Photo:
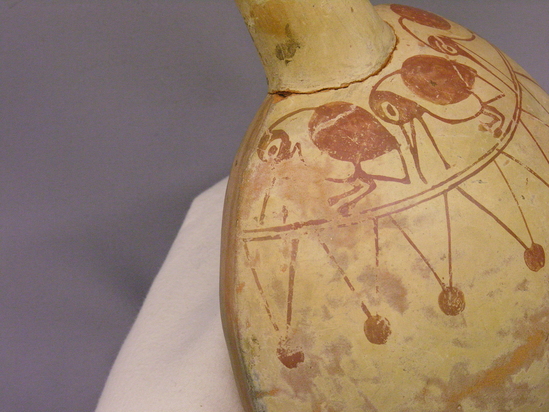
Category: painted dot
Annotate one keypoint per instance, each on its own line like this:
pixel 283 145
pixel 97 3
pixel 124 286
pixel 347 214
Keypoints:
pixel 377 330
pixel 290 359
pixel 534 257
pixel 451 301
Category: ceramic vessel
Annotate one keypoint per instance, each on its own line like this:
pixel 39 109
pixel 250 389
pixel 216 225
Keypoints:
pixel 386 218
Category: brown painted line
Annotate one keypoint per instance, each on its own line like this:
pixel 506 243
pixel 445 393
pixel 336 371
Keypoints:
pixel 284 214
pixel 507 77
pixel 468 39
pixel 335 199
pixel 412 142
pixel 339 269
pixel 347 280
pixel 492 215
pixel 463 174
pixel 516 200
pixel 494 86
pixel 433 142
pixel 439 189
pixel 529 169
pixel 342 225
pixel 494 99
pixel 516 82
pixel 440 186
pixel 449 232
pixel 401 22
pixel 416 248
pixel 264 208
pixel 265 201
pixel 535 98
pixel 263 238
pixel 291 281
pixel 535 117
pixel 459 178
pixel 291 226
pixel 518 88
pixel 265 303
pixel 443 183
pixel 366 310
pixel 291 114
pixel 260 288
pixel 376 234
pixel 524 76
pixel 535 141
pixel 352 203
pixel 466 119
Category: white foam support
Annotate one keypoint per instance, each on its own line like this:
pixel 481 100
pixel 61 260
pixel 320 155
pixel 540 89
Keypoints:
pixel 174 358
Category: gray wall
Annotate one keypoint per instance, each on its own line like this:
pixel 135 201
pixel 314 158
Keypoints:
pixel 113 116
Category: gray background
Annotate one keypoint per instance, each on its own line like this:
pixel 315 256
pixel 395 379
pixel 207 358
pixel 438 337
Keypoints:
pixel 114 115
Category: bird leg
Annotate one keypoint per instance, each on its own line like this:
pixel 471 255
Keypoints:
pixel 334 199
pixel 346 208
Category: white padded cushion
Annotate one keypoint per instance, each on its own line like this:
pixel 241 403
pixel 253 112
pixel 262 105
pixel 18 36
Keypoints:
pixel 175 358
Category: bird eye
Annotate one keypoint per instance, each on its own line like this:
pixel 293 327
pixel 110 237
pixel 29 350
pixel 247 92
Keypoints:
pixel 274 145
pixel 268 147
pixel 390 111
pixel 449 49
pixel 443 45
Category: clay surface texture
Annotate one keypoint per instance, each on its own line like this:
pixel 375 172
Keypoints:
pixel 385 242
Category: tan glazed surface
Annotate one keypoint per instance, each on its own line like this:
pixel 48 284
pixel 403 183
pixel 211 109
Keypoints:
pixel 384 242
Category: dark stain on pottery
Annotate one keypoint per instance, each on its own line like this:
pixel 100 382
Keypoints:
pixel 287 50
